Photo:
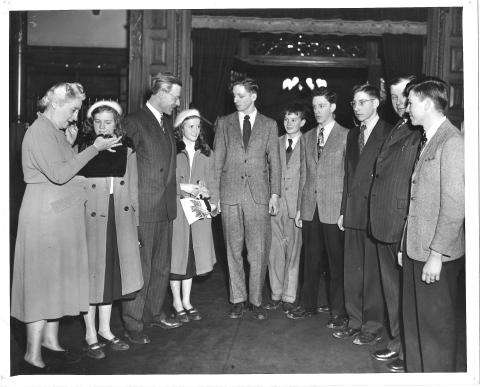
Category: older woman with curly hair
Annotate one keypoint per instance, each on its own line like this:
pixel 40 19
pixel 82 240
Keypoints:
pixel 50 272
pixel 111 220
pixel 192 245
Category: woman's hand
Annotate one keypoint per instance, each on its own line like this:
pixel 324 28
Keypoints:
pixel 71 133
pixel 107 143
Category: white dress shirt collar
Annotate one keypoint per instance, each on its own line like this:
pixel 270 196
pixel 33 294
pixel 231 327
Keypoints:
pixel 158 115
pixel 251 116
pixel 430 132
pixel 327 129
pixel 370 124
pixel 294 140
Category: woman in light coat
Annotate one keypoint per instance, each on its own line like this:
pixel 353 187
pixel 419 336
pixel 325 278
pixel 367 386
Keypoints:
pixel 111 215
pixel 192 245
pixel 50 271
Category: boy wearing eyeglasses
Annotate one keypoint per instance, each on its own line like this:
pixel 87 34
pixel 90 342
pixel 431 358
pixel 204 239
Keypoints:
pixel 363 291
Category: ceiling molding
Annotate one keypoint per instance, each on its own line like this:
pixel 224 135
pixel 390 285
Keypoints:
pixel 310 26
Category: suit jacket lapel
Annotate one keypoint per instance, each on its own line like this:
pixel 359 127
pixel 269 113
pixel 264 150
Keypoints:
pixel 234 125
pixel 256 132
pixel 283 155
pixel 312 144
pixel 431 146
pixel 332 138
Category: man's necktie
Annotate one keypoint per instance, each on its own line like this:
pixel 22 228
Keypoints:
pixel 289 149
pixel 361 138
pixel 421 144
pixel 160 121
pixel 320 142
pixel 247 130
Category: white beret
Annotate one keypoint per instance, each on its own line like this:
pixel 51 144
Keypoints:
pixel 114 105
pixel 184 114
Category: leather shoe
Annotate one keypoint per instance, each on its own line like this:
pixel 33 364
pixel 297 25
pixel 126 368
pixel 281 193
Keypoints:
pixel 397 365
pixel 367 338
pixel 182 316
pixel 337 322
pixel 65 356
pixel 258 312
pixel 385 355
pixel 31 369
pixel 272 305
pixel 324 309
pixel 236 311
pixel 345 332
pixel 137 337
pixel 166 323
pixel 94 351
pixel 287 306
pixel 299 312
pixel 193 314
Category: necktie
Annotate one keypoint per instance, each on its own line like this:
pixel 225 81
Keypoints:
pixel 289 149
pixel 247 130
pixel 160 121
pixel 361 138
pixel 320 143
pixel 421 144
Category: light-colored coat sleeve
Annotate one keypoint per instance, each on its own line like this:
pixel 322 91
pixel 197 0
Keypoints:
pixel 43 148
pixel 133 181
pixel 220 150
pixel 273 157
pixel 452 197
pixel 303 170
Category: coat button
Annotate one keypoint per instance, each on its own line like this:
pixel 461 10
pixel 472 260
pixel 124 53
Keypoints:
pixel 125 208
pixel 412 198
pixel 93 213
pixel 241 177
pixel 315 191
pixel 94 185
pixel 122 182
pixel 161 169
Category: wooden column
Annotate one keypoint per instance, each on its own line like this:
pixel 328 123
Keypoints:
pixel 159 42
pixel 444 55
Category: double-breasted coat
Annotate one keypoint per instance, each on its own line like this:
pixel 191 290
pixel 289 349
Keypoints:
pixel 125 195
pixel 202 239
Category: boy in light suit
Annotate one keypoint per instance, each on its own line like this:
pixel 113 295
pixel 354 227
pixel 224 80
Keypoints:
pixel 284 256
pixel 433 243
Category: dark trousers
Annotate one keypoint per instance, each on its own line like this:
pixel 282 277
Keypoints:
pixel 363 290
pixel 323 247
pixel 429 317
pixel 155 254
pixel 390 273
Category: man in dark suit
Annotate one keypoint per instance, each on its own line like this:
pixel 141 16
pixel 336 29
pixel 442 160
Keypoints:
pixel 152 134
pixel 433 244
pixel 388 210
pixel 319 198
pixel 363 291
pixel 247 170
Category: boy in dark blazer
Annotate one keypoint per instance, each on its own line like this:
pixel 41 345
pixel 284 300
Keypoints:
pixel 363 291
pixel 388 209
pixel 433 245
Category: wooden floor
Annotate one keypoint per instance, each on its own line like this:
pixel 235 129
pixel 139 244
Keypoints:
pixel 218 345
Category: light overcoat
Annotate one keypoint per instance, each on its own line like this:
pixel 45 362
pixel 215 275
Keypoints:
pixel 436 217
pixel 321 180
pixel 125 195
pixel 202 239
pixel 50 273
